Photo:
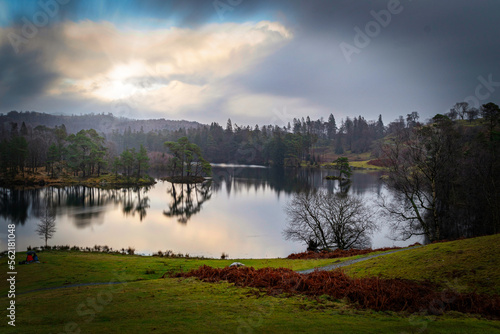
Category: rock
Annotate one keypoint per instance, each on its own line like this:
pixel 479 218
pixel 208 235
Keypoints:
pixel 237 264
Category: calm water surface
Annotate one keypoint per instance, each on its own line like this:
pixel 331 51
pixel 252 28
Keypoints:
pixel 239 212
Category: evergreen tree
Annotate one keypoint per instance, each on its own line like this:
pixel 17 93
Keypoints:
pixel 127 159
pixel 342 165
pixel 331 127
pixel 380 129
pixel 142 160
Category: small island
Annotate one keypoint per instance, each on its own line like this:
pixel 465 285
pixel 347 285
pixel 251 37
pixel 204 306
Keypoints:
pixel 84 158
pixel 342 165
pixel 186 165
pixel 88 159
pixel 43 179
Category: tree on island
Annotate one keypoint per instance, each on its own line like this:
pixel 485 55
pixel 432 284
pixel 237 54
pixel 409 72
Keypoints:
pixel 47 225
pixel 142 160
pixel 187 164
pixel 86 152
pixel 342 165
pixel 132 162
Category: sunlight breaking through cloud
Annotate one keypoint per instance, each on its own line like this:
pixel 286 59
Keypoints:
pixel 163 70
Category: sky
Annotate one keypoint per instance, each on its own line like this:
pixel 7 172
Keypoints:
pixel 254 61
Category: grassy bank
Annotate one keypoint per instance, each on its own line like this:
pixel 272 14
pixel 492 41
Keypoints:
pixel 190 306
pixel 147 303
pixel 466 265
pixel 357 165
pixel 60 268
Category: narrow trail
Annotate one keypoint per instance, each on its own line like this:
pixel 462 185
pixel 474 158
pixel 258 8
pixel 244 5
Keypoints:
pixel 347 263
pixel 329 267
pixel 70 286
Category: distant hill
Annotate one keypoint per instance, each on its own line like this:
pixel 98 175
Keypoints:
pixel 103 123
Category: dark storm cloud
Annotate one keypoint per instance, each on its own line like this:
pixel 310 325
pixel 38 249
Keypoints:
pixel 429 56
pixel 22 76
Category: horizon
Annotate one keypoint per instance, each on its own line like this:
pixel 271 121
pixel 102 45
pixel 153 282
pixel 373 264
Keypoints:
pixel 258 62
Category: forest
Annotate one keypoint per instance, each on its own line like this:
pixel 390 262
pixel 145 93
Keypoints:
pixel 307 141
pixel 445 172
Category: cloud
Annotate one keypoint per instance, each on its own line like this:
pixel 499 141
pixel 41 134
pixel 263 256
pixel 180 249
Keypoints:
pixel 24 75
pixel 181 59
pixel 166 71
pixel 270 109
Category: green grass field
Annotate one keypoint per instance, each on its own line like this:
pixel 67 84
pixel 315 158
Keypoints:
pixel 147 303
pixel 60 268
pixel 466 265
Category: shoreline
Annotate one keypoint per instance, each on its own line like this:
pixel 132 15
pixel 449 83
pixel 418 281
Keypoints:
pixel 40 180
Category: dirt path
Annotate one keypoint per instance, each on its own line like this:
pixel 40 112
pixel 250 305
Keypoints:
pixel 329 267
pixel 347 263
pixel 71 286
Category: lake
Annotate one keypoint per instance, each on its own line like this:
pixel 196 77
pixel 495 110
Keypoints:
pixel 239 212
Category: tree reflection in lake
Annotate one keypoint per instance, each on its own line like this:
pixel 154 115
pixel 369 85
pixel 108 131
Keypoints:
pixel 14 205
pixel 85 205
pixel 290 180
pixel 187 199
pixel 287 180
pixel 243 214
pixel 137 203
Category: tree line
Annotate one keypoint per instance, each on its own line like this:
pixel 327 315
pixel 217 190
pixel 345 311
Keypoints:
pixel 445 176
pixel 86 153
pixel 301 140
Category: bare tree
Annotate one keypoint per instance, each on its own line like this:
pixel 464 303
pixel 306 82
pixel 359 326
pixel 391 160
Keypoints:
pixel 461 109
pixel 472 114
pixel 420 164
pixel 330 220
pixel 47 225
pixel 412 119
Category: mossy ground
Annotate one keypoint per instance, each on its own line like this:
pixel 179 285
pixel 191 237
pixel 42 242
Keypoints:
pixel 147 303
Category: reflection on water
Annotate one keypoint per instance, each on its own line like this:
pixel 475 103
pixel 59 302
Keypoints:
pixel 187 199
pixel 14 205
pixel 135 201
pixel 292 180
pixel 240 212
pixel 86 205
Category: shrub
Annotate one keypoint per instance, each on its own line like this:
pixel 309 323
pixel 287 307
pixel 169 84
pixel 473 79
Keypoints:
pixel 336 253
pixel 131 251
pixel 371 292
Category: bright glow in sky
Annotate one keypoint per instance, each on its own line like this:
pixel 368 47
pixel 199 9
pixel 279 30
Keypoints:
pixel 249 60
